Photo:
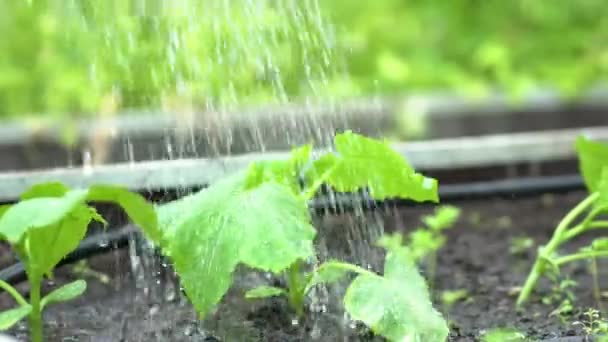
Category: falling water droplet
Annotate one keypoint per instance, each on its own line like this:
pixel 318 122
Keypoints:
pixel 87 161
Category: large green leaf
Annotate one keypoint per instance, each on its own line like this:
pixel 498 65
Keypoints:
pixel 396 306
pixel 39 213
pixel 51 189
pixel 140 211
pixel 329 272
pixel 46 246
pixel 593 158
pixel 64 293
pixel 284 172
pixel 207 234
pixel 10 317
pixel 362 162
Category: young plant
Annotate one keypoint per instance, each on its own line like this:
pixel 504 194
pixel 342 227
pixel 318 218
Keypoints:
pixel 425 241
pixel 46 225
pixel 260 218
pixel 585 216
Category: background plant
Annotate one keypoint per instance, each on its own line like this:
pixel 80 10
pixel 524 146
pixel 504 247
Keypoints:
pixel 222 52
pixel 209 233
pixel 46 225
pixel 585 216
pixel 424 242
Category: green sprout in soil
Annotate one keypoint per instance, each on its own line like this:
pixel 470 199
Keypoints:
pixel 593 323
pixel 561 296
pixel 584 217
pixel 424 242
pixel 451 297
pixel 260 218
pixel 520 244
pixel 46 225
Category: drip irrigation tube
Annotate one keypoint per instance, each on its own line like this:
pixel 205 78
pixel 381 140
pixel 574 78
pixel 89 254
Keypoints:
pixel 338 203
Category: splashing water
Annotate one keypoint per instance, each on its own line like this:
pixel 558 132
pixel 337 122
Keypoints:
pixel 205 63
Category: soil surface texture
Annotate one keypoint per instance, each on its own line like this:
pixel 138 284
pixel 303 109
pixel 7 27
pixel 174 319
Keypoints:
pixel 477 260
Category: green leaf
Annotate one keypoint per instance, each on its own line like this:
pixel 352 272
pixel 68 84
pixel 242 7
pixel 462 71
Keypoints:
pixel 443 218
pixel 4 208
pixel 284 172
pixel 362 162
pixel 140 211
pixel 329 272
pixel 396 306
pixel 52 189
pixel 46 246
pixel 65 293
pixel 209 233
pixel 423 242
pixel 593 158
pixel 11 317
pixel 264 292
pixel 38 213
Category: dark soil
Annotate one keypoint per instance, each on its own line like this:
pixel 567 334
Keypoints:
pixel 476 258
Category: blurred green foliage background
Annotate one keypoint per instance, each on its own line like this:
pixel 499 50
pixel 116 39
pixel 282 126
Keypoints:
pixel 64 57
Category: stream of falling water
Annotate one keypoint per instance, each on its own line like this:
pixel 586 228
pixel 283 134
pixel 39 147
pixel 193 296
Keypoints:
pixel 243 39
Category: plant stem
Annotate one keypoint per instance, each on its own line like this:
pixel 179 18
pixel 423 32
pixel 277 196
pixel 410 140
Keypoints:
pixel 295 286
pixel 580 228
pixel 580 256
pixel 597 295
pixel 544 252
pixel 36 314
pixel 13 292
pixel 586 224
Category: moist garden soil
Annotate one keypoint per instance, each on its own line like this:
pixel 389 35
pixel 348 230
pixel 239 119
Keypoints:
pixel 477 259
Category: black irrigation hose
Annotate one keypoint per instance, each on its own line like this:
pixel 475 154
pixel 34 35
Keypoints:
pixel 480 190
pixel 89 247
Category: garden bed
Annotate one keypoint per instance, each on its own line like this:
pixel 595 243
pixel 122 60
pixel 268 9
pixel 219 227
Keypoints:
pixel 476 258
pixel 171 134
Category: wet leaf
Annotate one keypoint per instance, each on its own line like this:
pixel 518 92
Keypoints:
pixel 329 272
pixel 38 213
pixel 362 162
pixel 593 158
pixel 46 246
pixel 284 172
pixel 397 305
pixel 264 292
pixel 140 211
pixel 266 227
pixel 13 316
pixel 65 293
pixel 52 189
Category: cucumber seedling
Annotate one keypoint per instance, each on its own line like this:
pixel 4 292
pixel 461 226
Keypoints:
pixel 587 215
pixel 45 226
pixel 425 241
pixel 260 218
